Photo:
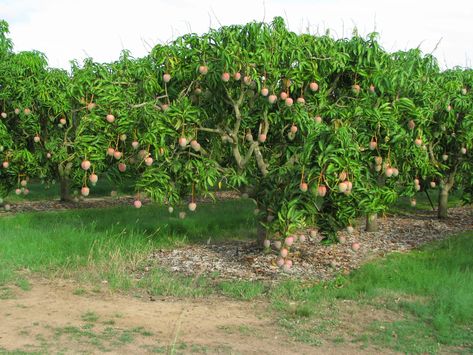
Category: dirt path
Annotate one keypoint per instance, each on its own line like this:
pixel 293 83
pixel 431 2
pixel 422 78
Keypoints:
pixel 52 317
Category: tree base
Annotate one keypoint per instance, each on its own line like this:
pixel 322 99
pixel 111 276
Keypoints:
pixel 372 223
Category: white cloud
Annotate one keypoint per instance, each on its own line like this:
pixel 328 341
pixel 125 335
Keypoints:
pixel 67 29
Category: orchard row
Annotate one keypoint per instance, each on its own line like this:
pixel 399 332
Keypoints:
pixel 317 131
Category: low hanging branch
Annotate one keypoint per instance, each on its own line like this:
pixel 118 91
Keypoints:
pixel 149 102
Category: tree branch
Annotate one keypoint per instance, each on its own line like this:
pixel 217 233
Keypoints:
pixel 317 58
pixel 185 91
pixel 266 124
pixel 249 153
pixel 260 161
pixel 451 176
pixel 210 130
pixel 229 99
pixel 148 102
pixel 334 83
pixel 236 126
pixel 432 155
pixel 242 95
pixel 237 155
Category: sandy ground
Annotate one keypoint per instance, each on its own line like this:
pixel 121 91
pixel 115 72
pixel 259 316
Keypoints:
pixel 51 318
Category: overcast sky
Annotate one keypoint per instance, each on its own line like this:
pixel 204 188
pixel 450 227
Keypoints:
pixel 75 29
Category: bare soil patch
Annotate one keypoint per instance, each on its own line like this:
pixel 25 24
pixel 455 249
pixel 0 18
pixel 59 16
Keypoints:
pixel 51 318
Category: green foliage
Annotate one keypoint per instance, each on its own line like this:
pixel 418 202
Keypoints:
pixel 352 115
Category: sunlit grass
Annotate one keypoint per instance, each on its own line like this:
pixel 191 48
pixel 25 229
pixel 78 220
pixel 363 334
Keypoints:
pixel 116 238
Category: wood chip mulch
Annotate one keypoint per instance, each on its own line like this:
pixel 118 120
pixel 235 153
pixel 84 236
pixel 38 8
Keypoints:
pixel 311 259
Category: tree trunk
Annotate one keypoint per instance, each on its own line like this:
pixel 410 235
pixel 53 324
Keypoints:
pixel 443 201
pixel 246 190
pixel 261 236
pixel 65 189
pixel 372 222
pixel 64 181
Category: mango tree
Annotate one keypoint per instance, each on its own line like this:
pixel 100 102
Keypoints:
pixel 447 131
pixel 20 123
pixel 317 131
pixel 286 111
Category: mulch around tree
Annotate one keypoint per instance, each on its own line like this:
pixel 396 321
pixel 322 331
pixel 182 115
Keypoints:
pixel 312 259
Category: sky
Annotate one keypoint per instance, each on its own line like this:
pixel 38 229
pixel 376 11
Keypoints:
pixel 101 29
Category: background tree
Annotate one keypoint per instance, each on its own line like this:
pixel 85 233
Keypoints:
pixel 448 130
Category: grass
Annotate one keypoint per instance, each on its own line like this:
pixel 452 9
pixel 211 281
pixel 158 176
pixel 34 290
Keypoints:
pixel 403 205
pixel 6 293
pixel 80 291
pixel 91 317
pixel 105 339
pixel 242 290
pixel 105 244
pixel 431 288
pixel 162 283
